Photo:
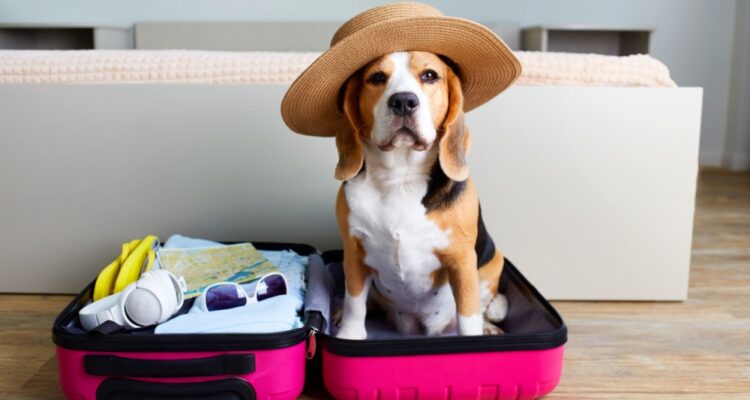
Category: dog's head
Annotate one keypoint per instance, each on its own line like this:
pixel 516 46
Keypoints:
pixel 409 100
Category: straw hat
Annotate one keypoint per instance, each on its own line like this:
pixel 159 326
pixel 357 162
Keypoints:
pixel 485 64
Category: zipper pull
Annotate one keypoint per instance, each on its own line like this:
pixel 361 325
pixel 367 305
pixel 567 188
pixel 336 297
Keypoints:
pixel 311 343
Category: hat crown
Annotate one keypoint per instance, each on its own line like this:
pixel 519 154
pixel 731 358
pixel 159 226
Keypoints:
pixel 387 12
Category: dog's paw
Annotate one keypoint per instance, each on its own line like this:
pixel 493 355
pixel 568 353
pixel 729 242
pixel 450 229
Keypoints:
pixel 497 309
pixel 352 332
pixel 470 326
pixel 491 329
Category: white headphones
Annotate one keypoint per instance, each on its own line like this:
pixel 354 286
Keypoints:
pixel 153 299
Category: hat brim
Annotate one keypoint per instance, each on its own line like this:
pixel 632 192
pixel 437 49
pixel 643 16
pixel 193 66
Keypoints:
pixel 486 66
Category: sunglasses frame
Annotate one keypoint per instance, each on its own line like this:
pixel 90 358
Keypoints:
pixel 250 299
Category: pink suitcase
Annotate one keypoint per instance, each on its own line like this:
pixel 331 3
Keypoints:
pixel 524 363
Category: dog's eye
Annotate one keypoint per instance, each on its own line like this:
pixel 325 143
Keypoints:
pixel 429 76
pixel 376 78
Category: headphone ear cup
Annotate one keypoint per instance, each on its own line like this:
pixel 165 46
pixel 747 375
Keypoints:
pixel 180 286
pixel 154 300
pixel 143 307
pixel 170 296
pixel 173 288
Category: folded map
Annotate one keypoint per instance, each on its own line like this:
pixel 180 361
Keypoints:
pixel 203 266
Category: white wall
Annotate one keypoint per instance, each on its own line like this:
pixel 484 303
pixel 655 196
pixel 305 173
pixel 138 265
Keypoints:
pixel 693 37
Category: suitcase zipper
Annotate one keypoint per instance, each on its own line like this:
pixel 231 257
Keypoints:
pixel 312 343
pixel 314 322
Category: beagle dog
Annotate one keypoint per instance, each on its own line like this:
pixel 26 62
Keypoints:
pixel 407 210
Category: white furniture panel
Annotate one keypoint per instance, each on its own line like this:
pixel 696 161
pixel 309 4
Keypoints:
pixel 590 191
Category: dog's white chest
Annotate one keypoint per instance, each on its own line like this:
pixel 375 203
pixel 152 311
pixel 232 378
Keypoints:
pixel 398 238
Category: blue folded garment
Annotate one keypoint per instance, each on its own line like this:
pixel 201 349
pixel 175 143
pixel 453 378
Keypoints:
pixel 272 315
pixel 184 242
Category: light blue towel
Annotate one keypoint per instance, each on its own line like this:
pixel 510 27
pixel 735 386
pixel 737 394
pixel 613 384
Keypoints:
pixel 276 314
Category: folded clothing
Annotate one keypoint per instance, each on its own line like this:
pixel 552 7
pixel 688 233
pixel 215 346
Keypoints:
pixel 290 264
pixel 272 315
pixel 276 314
pixel 320 290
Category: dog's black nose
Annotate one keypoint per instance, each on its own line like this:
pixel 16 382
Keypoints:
pixel 403 103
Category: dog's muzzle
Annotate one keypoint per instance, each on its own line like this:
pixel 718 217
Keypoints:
pixel 405 136
pixel 404 130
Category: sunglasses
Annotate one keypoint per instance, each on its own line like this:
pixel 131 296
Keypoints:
pixel 225 295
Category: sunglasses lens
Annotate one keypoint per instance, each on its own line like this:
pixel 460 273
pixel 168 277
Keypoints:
pixel 270 286
pixel 222 297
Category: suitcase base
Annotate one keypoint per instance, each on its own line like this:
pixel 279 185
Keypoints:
pixel 490 375
pixel 277 374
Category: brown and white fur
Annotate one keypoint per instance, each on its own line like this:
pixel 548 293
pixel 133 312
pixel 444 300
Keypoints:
pixel 408 211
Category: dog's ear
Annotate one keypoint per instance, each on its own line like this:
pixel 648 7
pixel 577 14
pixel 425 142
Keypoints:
pixel 454 140
pixel 349 139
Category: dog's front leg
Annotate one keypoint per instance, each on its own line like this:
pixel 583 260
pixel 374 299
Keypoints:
pixel 356 274
pixel 464 281
pixel 358 281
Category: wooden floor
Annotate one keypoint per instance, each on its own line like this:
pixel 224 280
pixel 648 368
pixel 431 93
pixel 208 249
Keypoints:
pixel 699 349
